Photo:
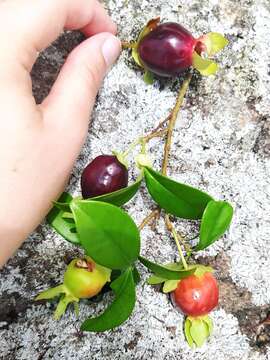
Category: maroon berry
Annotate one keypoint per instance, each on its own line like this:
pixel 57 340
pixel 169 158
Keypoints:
pixel 103 175
pixel 167 50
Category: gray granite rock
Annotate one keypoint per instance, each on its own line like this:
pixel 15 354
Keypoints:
pixel 221 144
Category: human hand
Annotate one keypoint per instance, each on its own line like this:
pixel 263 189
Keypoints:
pixel 40 143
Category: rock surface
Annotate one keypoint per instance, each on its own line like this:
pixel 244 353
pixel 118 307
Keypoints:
pixel 221 144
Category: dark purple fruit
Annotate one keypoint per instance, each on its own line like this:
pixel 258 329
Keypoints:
pixel 103 175
pixel 167 50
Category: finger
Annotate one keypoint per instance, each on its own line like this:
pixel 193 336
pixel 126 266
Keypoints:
pixel 73 94
pixel 28 26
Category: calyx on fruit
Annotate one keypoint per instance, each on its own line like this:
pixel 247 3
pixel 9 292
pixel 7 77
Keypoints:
pixel 196 296
pixel 168 49
pixel 83 279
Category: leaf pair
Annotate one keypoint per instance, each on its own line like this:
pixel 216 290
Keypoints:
pixel 189 203
pixel 66 226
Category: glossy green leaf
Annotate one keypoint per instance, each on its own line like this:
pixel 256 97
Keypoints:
pixel 206 67
pixel 165 273
pixel 64 227
pixel 187 327
pixel 215 221
pixel 64 206
pixel 199 331
pixel 169 286
pixel 175 198
pixel 214 42
pixel 136 276
pixel 121 308
pixel 107 233
pixel 119 197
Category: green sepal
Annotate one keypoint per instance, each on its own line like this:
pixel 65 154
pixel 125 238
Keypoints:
pixel 151 25
pixel 65 298
pixel 62 305
pixel 206 67
pixel 200 270
pixel 197 330
pixel 209 323
pixel 214 43
pixel 155 280
pixel 188 336
pixel 51 293
pixel 121 158
pixel 148 77
pixel 169 286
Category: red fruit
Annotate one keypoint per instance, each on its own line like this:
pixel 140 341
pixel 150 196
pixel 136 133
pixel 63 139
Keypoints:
pixel 103 175
pixel 167 50
pixel 197 295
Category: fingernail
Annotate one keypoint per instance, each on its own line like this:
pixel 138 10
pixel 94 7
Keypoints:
pixel 111 50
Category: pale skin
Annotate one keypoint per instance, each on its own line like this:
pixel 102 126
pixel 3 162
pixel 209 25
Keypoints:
pixel 40 143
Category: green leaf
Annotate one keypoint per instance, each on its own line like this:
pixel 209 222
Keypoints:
pixel 199 331
pixel 119 197
pixel 214 42
pixel 205 66
pixel 107 233
pixel 136 276
pixel 120 310
pixel 215 221
pixel 187 327
pixel 164 272
pixel 155 280
pixel 175 198
pixel 64 227
pixel 170 285
pixel 148 77
pixel 64 206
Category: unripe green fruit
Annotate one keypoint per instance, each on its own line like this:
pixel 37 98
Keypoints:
pixel 84 278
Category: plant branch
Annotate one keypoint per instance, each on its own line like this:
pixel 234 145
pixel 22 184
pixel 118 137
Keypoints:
pixel 152 216
pixel 172 229
pixel 172 121
pixel 128 45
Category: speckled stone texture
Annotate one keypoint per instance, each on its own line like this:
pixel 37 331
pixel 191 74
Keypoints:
pixel 221 145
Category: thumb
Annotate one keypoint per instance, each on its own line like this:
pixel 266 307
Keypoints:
pixel 73 95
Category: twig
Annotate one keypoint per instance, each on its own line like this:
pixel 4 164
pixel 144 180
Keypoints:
pixel 153 215
pixel 155 134
pixel 172 122
pixel 169 227
pixel 163 122
pixel 128 45
pixel 177 238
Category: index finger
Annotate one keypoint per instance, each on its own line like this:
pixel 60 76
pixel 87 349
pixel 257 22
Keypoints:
pixel 29 26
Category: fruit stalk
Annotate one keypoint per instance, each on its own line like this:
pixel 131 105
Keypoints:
pixel 172 121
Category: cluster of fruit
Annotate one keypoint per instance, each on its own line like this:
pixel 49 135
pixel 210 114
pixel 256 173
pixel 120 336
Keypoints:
pixel 108 235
